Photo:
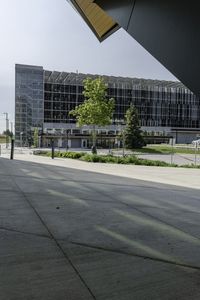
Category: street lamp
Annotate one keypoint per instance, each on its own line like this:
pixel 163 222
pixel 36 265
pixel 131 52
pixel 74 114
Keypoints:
pixel 11 127
pixel 21 133
pixel 7 129
pixel 121 129
pixel 196 143
pixel 67 146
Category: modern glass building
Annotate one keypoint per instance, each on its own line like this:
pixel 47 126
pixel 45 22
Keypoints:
pixel 29 101
pixel 44 98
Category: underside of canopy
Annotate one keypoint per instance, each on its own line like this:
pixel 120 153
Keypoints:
pixel 167 29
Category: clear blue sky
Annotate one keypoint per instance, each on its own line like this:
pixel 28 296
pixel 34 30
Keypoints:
pixel 51 34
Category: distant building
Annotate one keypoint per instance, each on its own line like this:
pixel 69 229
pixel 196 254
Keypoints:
pixel 43 100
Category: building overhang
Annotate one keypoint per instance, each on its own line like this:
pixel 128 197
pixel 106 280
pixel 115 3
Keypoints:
pixel 97 19
pixel 168 30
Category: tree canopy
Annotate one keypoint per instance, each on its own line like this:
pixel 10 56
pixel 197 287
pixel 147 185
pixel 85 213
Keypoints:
pixel 132 132
pixel 97 109
pixel 8 133
pixel 35 137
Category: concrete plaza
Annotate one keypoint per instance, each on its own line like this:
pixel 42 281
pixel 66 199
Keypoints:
pixel 73 230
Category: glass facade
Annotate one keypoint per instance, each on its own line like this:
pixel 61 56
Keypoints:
pixel 29 101
pixel 59 100
pixel 159 103
pixel 160 106
pixel 45 97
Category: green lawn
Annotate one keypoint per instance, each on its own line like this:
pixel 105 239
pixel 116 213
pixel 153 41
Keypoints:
pixel 2 139
pixel 165 149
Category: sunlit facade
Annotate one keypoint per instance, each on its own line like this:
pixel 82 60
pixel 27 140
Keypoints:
pixel 44 99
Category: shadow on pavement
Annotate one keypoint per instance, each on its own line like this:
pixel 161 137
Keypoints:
pixel 71 234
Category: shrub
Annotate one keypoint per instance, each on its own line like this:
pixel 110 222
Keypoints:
pixel 92 158
pixel 130 159
pixel 72 155
pixel 192 166
pixel 40 152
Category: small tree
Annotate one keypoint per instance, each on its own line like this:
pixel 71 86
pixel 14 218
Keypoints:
pixel 132 132
pixel 8 133
pixel 35 138
pixel 97 109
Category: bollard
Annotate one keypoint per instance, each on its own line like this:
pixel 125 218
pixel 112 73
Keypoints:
pixel 195 155
pixel 12 149
pixel 52 149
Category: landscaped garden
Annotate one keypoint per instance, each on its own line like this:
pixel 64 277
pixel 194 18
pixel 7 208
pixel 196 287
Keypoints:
pixel 95 158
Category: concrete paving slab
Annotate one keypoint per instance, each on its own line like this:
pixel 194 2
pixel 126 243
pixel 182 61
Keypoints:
pixel 16 214
pixel 117 276
pixel 104 220
pixel 113 225
pixel 185 220
pixel 173 176
pixel 34 268
pixel 7 184
pixel 108 237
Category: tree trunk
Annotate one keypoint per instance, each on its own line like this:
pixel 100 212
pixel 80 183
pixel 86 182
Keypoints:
pixel 94 148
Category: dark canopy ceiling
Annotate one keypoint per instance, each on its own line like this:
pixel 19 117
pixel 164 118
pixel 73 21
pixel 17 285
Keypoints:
pixel 168 29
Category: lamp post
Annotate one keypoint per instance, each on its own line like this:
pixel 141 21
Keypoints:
pixel 67 146
pixel 123 142
pixel 52 148
pixel 196 144
pixel 21 134
pixel 121 123
pixel 11 126
pixel 7 129
pixel 172 142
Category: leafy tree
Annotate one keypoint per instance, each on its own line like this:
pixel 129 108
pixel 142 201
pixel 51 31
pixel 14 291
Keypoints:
pixel 35 138
pixel 132 132
pixel 97 109
pixel 8 133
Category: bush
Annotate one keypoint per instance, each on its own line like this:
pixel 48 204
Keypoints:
pixel 110 159
pixel 156 163
pixel 40 152
pixel 130 159
pixel 192 166
pixel 72 155
pixel 92 158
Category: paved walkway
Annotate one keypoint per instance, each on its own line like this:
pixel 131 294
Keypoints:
pixel 68 233
pixel 175 176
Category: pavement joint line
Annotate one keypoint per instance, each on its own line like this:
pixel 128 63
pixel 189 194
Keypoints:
pixel 122 202
pixel 85 182
pixel 9 191
pixel 149 215
pixel 161 221
pixel 100 201
pixel 71 198
pixel 118 251
pixel 55 240
pixel 24 232
pixel 162 208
